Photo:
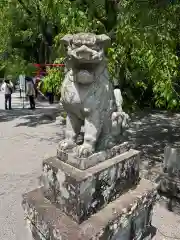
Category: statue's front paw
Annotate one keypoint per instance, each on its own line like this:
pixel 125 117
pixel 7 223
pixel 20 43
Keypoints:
pixel 66 144
pixel 84 150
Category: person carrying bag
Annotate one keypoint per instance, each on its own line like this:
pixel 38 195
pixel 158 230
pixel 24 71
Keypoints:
pixel 7 89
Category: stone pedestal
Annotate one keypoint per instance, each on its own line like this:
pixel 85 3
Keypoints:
pixel 172 160
pixel 169 180
pixel 81 193
pixel 106 201
pixel 126 218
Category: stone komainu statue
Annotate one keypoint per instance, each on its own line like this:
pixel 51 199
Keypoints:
pixel 88 96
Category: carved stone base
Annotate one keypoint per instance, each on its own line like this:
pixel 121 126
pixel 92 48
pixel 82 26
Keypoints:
pixel 128 217
pixel 84 163
pixel 80 193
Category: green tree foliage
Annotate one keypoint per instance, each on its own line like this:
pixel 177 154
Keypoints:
pixel 145 50
pixel 144 56
pixel 54 78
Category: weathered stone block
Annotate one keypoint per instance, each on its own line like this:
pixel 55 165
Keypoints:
pixel 44 220
pixel 169 177
pixel 84 163
pixel 82 193
pixel 172 161
pixel 126 218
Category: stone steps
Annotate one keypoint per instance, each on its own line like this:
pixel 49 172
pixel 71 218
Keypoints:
pixel 127 217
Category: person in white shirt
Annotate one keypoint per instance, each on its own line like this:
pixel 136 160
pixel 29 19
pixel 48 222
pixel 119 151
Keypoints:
pixel 30 92
pixel 7 89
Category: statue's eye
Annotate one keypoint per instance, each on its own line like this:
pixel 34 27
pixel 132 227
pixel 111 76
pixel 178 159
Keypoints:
pixel 74 45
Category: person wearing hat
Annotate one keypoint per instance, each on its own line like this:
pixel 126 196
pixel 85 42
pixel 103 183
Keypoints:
pixel 7 89
pixel 30 91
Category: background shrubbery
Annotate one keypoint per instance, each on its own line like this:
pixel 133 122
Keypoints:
pixel 144 55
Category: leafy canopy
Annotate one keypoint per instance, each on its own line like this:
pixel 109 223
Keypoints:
pixel 144 55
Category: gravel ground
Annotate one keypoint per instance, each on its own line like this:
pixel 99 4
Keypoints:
pixel 27 137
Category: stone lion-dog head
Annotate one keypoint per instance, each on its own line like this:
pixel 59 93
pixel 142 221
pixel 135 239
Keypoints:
pixel 85 53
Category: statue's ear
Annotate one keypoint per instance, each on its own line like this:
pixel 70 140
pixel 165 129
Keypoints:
pixel 103 40
pixel 66 40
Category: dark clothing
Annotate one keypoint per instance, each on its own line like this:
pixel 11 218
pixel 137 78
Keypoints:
pixel 7 101
pixel 36 93
pixel 51 97
pixel 20 91
pixel 32 102
pixel 30 90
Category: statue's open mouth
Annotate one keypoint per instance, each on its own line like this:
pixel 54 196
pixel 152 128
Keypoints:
pixel 84 55
pixel 86 66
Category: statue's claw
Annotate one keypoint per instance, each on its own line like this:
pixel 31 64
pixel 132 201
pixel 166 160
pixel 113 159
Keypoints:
pixel 66 144
pixel 84 150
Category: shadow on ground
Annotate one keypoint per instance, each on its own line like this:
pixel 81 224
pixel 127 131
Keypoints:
pixel 151 131
pixel 31 118
pixel 9 115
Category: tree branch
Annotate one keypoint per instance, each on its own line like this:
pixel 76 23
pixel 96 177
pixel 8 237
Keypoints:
pixel 24 7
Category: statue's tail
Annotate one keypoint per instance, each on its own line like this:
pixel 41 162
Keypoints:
pixel 119 101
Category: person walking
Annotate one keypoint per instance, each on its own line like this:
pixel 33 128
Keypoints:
pixel 7 89
pixel 30 92
pixel 20 90
pixel 50 95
